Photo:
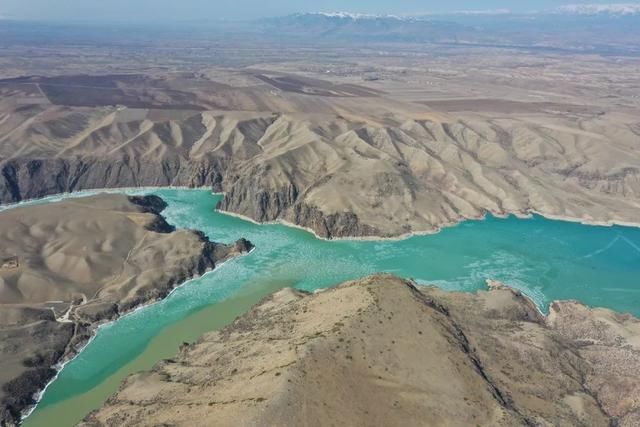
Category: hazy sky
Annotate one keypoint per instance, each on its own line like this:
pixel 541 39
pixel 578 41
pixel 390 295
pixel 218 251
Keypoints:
pixel 180 10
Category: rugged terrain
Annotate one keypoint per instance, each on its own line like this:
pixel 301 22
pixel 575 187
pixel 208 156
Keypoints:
pixel 70 265
pixel 380 350
pixel 346 124
pixel 398 152
pixel 349 138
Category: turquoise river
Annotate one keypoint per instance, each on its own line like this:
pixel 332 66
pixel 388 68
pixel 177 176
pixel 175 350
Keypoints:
pixel 547 260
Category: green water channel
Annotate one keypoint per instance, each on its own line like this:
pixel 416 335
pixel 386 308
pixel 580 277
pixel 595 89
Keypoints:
pixel 548 260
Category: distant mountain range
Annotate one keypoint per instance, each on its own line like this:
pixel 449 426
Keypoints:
pixel 342 25
pixel 610 28
pixel 575 10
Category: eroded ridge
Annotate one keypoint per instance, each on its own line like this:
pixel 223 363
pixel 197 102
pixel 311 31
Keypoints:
pixel 381 351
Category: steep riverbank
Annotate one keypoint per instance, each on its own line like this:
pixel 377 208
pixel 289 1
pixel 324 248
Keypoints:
pixel 335 176
pixel 546 260
pixel 383 351
pixel 73 265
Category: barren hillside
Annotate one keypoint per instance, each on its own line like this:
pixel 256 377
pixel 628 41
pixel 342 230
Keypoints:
pixel 380 351
pixel 340 159
pixel 66 267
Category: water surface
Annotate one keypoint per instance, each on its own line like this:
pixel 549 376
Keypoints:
pixel 547 260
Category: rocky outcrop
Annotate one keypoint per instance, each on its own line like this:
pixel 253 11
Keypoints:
pixel 32 178
pixel 382 351
pixel 285 205
pixel 83 262
pixel 154 205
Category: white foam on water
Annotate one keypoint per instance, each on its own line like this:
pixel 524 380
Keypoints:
pixel 632 244
pixel 604 248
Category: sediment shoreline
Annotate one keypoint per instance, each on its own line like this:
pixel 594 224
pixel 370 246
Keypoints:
pixel 188 254
pixel 59 367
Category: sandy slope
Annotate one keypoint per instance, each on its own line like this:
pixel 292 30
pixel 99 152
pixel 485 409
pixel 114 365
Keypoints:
pixel 381 352
pixel 81 262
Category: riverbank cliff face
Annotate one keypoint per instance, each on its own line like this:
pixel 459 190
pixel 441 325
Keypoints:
pixel 72 265
pixel 336 176
pixel 381 351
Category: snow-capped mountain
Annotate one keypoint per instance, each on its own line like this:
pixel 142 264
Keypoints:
pixel 352 17
pixel 601 9
pixel 344 25
pixel 349 15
